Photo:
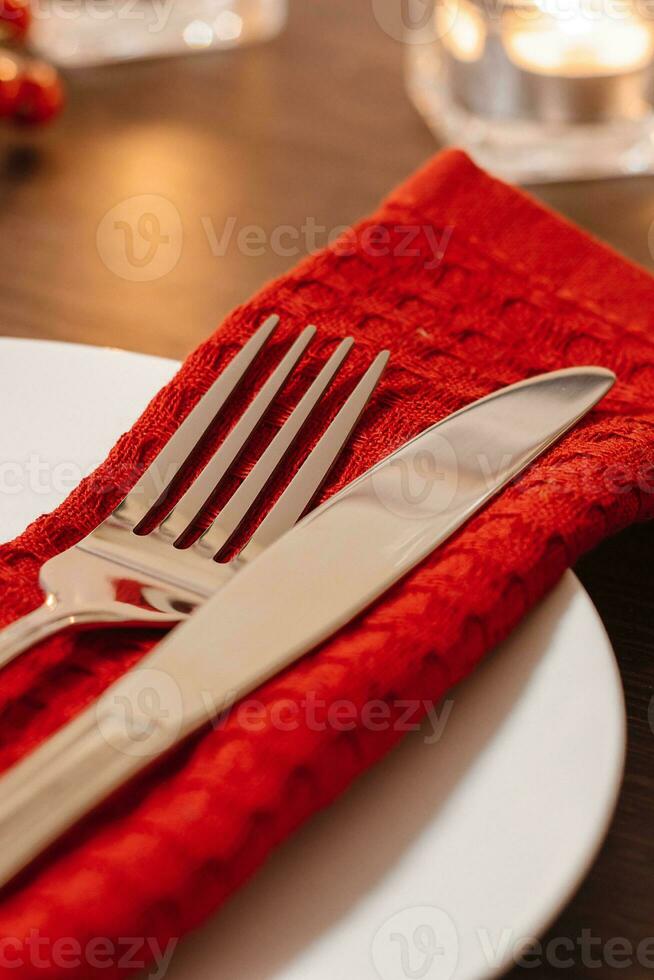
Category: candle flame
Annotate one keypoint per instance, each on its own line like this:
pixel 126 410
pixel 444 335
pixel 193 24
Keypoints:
pixel 462 28
pixel 579 41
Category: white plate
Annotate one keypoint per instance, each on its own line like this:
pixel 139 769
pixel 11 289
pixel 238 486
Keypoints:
pixel 477 840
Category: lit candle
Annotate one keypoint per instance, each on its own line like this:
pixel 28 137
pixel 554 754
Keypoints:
pixel 524 59
pixel 540 89
pixel 462 27
pixel 579 40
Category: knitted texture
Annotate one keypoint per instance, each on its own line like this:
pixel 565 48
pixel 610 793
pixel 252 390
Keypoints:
pixel 472 286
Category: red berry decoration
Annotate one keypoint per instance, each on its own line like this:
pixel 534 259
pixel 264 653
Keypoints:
pixel 15 18
pixel 41 95
pixel 31 91
pixel 10 84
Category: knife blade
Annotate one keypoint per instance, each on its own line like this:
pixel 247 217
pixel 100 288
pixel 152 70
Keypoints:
pixel 290 598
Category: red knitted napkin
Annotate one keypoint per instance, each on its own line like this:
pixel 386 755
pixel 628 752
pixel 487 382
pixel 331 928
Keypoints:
pixel 472 286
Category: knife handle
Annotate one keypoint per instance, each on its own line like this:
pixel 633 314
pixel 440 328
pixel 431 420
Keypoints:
pixel 70 774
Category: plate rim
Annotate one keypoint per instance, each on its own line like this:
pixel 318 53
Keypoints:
pixel 576 876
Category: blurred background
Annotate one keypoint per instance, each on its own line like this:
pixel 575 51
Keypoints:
pixel 293 132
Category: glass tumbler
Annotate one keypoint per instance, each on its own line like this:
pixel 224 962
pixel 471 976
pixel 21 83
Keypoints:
pixel 84 32
pixel 538 90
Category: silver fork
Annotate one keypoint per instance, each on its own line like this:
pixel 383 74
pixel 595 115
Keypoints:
pixel 119 575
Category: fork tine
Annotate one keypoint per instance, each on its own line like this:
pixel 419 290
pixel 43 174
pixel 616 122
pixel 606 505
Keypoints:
pixel 150 489
pixel 309 478
pixel 240 503
pixel 199 493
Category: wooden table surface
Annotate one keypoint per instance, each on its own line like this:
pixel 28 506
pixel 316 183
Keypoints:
pixel 295 129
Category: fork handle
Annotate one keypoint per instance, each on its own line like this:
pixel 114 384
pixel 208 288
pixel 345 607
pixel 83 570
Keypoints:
pixel 54 786
pixel 54 617
pixel 48 619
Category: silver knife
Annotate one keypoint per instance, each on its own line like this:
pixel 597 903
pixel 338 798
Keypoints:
pixel 294 595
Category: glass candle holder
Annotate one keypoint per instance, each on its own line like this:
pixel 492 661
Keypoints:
pixel 75 33
pixel 539 90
